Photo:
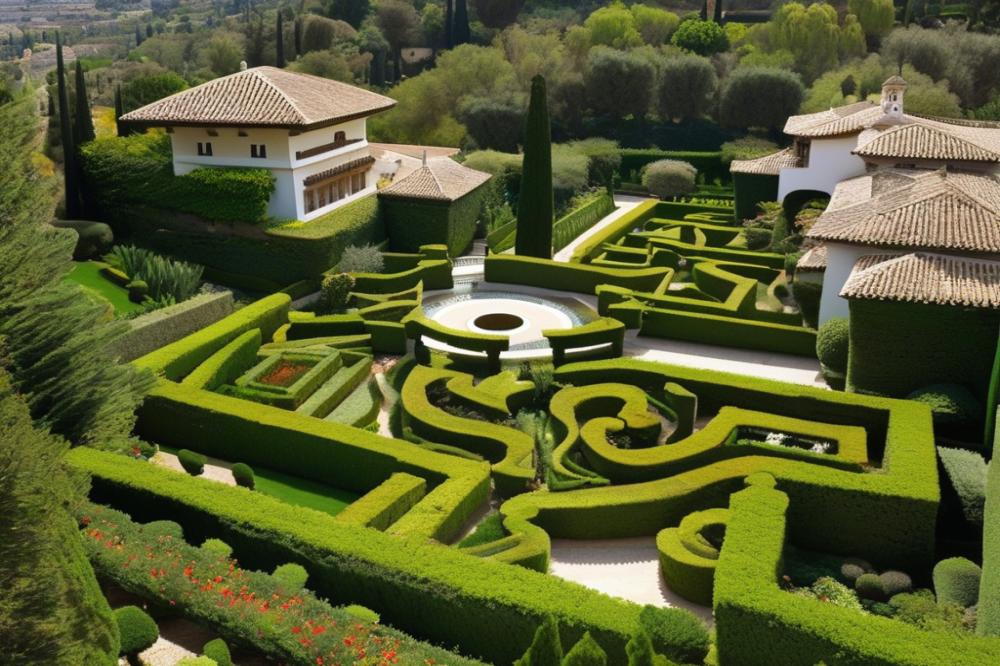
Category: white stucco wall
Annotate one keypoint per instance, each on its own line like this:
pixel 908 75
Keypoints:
pixel 229 149
pixel 840 260
pixel 830 161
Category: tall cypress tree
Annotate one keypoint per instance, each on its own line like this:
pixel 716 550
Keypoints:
pixel 138 35
pixel 462 34
pixel 279 36
pixel 703 14
pixel 66 130
pixel 449 23
pixel 84 126
pixel 717 13
pixel 120 127
pixel 297 36
pixel 535 208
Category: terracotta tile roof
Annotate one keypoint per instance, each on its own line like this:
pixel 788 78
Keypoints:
pixel 926 278
pixel 925 138
pixel 814 260
pixel 918 209
pixel 768 165
pixel 834 122
pixel 440 179
pixel 263 97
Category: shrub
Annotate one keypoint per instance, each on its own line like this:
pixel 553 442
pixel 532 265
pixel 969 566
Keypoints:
pixel 586 652
pixel 953 405
pixel 895 582
pixel 757 239
pixel 919 608
pixel 217 650
pixel 682 641
pixel 967 473
pixel 243 474
pixel 192 462
pixel 747 148
pixel 956 580
pixel 93 238
pixel 217 547
pixel 832 343
pixel 138 290
pixel 138 631
pixel 667 178
pixel 292 576
pixel 869 586
pixel 159 528
pixel 853 568
pixel 362 613
pixel 546 647
pixel 165 277
pixel 830 591
pixel 701 37
pixel 335 292
pixel 363 259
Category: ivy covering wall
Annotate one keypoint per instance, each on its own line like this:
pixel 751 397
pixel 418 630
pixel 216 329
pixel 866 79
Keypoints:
pixel 896 348
pixel 411 223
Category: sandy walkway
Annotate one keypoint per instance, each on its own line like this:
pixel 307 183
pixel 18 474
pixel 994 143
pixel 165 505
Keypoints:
pixel 215 469
pixel 624 203
pixel 624 568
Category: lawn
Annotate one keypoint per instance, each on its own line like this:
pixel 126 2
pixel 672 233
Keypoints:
pixel 294 489
pixel 88 275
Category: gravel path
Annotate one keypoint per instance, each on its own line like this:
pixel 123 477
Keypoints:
pixel 215 469
pixel 624 203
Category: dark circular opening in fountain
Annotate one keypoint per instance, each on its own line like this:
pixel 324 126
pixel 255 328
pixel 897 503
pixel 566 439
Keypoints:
pixel 498 321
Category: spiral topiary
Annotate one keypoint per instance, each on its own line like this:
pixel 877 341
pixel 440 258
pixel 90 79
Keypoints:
pixel 217 650
pixel 832 343
pixel 869 586
pixel 137 629
pixel 243 474
pixel 895 582
pixel 956 580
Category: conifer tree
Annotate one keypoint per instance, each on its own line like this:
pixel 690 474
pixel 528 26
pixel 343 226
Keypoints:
pixel 297 36
pixel 717 12
pixel 138 36
pixel 279 36
pixel 535 207
pixel 119 112
pixel 84 126
pixel 149 30
pixel 703 14
pixel 70 173
pixel 461 30
pixel 640 652
pixel 586 653
pixel 546 648
pixel 449 23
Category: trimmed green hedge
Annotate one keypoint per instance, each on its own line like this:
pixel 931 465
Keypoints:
pixel 603 331
pixel 687 561
pixel 708 163
pixel 899 437
pixel 758 623
pixel 225 365
pixel 411 223
pixel 728 331
pixel 611 233
pixel 436 592
pixel 580 278
pixel 988 615
pixel 387 503
pixel 750 191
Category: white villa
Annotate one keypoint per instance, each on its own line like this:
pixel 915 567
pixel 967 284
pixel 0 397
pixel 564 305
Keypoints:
pixel 900 185
pixel 310 132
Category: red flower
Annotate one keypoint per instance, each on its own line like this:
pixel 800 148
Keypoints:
pixel 349 641
pixel 318 629
pixel 217 579
pixel 296 630
pixel 319 661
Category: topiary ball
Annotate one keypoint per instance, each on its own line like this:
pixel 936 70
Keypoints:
pixel 217 547
pixel 951 404
pixel 895 582
pixel 193 463
pixel 850 572
pixel 832 343
pixel 956 580
pixel 292 576
pixel 243 474
pixel 159 528
pixel 217 650
pixel 138 631
pixel 137 291
pixel 869 586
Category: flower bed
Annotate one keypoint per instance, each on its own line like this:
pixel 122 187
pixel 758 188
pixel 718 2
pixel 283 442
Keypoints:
pixel 250 607
pixel 285 373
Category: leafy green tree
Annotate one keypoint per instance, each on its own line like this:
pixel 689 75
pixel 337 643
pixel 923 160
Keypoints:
pixel 852 39
pixel 613 26
pixel 586 652
pixel 619 83
pixel 701 37
pixel 811 34
pixel 546 648
pixel 320 33
pixel 145 90
pixel 876 16
pixel 759 97
pixel 655 25
pixel 535 208
pixel 493 123
pixel 400 24
pixel 687 87
pixel 70 173
pixel 371 40
pixel 497 14
pixel 222 53
pixel 352 11
pixel 327 64
pixel 432 20
pixel 84 126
